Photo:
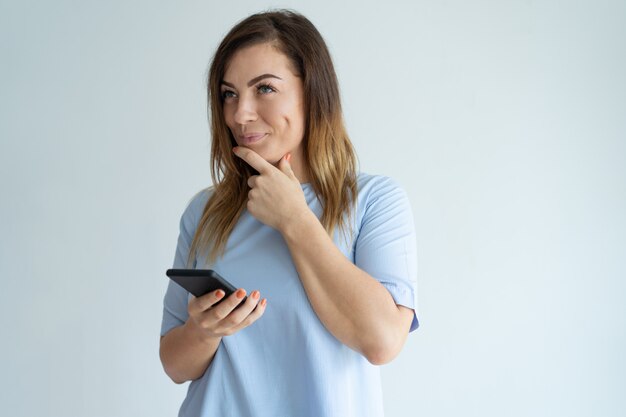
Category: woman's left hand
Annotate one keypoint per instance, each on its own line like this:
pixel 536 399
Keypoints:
pixel 275 197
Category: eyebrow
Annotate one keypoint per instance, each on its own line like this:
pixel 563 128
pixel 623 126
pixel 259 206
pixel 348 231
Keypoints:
pixel 254 80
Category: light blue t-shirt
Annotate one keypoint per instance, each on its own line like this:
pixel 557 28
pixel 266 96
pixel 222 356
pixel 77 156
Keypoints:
pixel 287 363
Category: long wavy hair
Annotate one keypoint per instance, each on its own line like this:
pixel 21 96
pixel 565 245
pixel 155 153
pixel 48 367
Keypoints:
pixel 328 152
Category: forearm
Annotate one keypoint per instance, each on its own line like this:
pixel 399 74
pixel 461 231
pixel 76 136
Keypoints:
pixel 185 355
pixel 352 305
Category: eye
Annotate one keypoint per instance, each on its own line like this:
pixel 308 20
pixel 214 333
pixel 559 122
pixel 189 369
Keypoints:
pixel 226 94
pixel 265 89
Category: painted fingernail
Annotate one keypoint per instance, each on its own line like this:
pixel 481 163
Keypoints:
pixel 256 295
pixel 240 293
pixel 219 293
pixel 263 302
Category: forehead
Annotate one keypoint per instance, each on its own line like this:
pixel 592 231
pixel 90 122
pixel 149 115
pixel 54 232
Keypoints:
pixel 250 61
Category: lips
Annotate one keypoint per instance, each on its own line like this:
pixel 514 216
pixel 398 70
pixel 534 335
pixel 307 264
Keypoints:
pixel 250 138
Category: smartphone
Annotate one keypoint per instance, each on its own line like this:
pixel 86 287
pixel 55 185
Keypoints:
pixel 201 281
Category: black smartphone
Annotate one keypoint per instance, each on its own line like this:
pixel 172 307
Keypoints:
pixel 201 281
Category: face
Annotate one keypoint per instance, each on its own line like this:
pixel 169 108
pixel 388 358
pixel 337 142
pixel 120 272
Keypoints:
pixel 263 104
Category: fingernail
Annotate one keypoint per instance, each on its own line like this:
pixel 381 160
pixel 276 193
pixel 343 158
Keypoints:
pixel 241 293
pixel 288 157
pixel 263 302
pixel 219 293
pixel 256 295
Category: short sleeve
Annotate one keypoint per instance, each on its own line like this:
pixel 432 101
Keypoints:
pixel 176 297
pixel 386 244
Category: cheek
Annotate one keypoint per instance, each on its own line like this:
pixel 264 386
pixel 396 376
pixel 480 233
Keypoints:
pixel 291 114
pixel 298 113
pixel 276 111
pixel 229 116
pixel 297 121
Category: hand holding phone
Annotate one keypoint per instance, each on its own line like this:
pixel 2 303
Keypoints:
pixel 231 311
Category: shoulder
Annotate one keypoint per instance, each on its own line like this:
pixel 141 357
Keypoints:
pixel 195 206
pixel 381 199
pixel 378 187
pixel 200 199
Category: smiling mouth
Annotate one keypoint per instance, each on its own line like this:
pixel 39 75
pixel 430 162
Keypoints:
pixel 250 139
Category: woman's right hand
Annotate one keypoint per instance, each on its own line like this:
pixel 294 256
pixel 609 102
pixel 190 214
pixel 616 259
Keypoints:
pixel 211 320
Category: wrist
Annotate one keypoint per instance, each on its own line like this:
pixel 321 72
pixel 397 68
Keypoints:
pixel 196 334
pixel 297 225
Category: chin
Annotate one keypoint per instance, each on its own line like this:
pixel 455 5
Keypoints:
pixel 271 158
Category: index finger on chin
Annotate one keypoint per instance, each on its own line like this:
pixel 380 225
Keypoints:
pixel 253 159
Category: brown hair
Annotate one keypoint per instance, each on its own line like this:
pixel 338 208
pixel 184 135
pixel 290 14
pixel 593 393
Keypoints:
pixel 328 152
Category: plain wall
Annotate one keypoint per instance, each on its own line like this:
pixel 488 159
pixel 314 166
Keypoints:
pixel 504 121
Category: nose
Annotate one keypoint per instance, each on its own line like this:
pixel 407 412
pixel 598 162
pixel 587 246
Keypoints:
pixel 245 111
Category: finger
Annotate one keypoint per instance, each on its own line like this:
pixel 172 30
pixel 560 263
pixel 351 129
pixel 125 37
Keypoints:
pixel 224 308
pixel 252 181
pixel 253 159
pixel 206 301
pixel 253 316
pixel 238 315
pixel 285 165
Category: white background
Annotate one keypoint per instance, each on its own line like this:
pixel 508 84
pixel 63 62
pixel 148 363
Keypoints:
pixel 504 120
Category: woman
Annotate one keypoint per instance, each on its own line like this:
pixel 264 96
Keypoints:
pixel 328 253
